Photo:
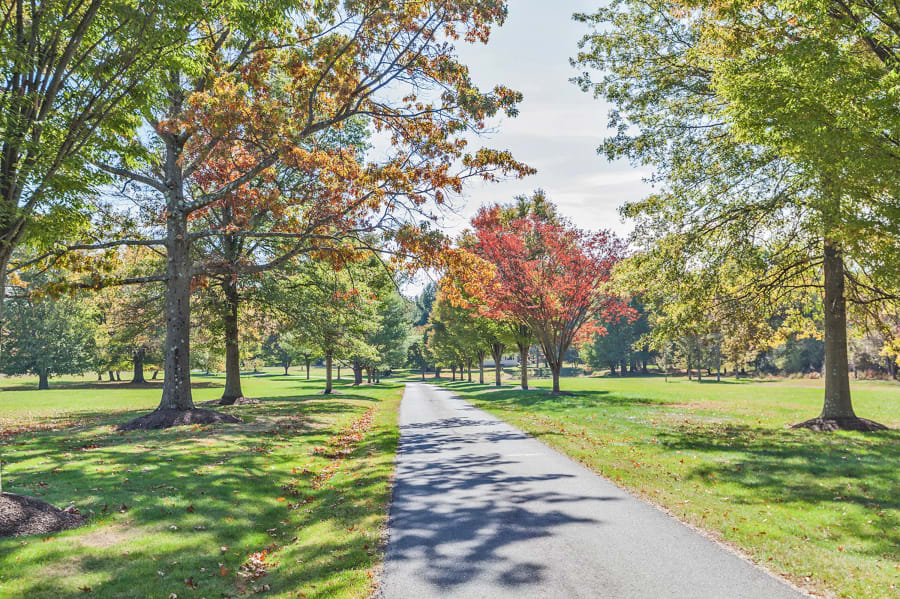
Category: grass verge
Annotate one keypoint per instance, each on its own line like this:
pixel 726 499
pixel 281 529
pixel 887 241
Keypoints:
pixel 291 503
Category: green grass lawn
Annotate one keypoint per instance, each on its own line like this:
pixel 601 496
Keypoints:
pixel 291 503
pixel 820 509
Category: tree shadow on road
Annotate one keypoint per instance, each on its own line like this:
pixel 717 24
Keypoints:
pixel 491 506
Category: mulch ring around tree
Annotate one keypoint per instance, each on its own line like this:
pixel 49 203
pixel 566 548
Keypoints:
pixel 168 418
pixel 824 425
pixel 21 515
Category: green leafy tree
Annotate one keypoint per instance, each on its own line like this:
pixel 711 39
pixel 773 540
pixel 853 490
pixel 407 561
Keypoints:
pixel 765 196
pixel 74 78
pixel 48 337
pixel 333 309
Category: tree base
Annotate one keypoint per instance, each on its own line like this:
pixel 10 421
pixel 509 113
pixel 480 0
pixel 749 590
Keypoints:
pixel 21 515
pixel 823 425
pixel 234 401
pixel 161 419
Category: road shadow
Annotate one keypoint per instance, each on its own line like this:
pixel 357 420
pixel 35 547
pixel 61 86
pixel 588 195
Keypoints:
pixel 454 516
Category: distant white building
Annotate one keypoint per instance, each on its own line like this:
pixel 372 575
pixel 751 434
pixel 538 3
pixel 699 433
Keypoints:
pixel 510 360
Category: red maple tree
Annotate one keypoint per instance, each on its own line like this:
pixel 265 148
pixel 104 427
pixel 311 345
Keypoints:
pixel 548 275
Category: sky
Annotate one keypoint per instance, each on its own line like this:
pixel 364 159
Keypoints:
pixel 559 127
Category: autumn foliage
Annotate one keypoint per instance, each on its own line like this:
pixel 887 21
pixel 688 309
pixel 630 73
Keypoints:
pixel 548 275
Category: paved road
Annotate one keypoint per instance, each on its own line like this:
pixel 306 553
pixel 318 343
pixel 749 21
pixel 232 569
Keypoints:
pixel 483 511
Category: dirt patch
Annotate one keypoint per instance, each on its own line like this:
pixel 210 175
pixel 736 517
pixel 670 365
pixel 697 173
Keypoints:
pixel 21 515
pixel 161 419
pixel 107 536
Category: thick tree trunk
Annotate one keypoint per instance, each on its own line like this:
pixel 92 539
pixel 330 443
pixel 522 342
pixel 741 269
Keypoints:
pixel 453 373
pixel 43 380
pixel 837 410
pixel 233 390
pixel 176 393
pixel 307 368
pixel 357 373
pixel 523 363
pixel 555 369
pixel 837 379
pixel 137 358
pixel 328 386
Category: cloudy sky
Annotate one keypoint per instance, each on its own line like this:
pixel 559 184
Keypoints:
pixel 559 127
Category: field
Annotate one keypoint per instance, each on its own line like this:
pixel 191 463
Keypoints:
pixel 821 509
pixel 291 503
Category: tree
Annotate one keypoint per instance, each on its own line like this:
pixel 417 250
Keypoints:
pixel 424 303
pixel 417 356
pixel 257 86
pixel 286 347
pixel 548 275
pixel 74 76
pixel 331 306
pixel 48 337
pixel 758 136
pixel 131 324
pixel 391 337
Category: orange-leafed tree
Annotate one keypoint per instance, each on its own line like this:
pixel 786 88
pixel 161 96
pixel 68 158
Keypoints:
pixel 260 103
pixel 547 274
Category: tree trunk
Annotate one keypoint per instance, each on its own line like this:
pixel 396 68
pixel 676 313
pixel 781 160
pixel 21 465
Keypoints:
pixel 307 368
pixel 469 370
pixel 837 403
pixel 481 368
pixel 112 376
pixel 423 372
pixel 286 365
pixel 43 380
pixel 837 410
pixel 137 358
pixel 453 373
pixel 233 390
pixel 176 393
pixel 497 355
pixel 699 364
pixel 12 227
pixel 328 387
pixel 155 373
pixel 523 362
pixel 555 369
pixel 357 372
